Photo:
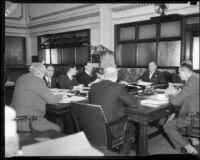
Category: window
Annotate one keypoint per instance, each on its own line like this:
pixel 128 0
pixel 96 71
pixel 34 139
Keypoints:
pixel 15 51
pixel 65 48
pixel 138 43
pixel 195 54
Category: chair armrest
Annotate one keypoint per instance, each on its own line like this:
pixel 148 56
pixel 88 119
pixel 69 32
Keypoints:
pixel 29 118
pixel 118 121
pixel 124 120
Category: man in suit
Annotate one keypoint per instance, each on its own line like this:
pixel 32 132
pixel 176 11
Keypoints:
pixel 68 81
pixel 30 97
pixel 188 100
pixel 153 75
pixel 49 78
pixel 87 76
pixel 113 97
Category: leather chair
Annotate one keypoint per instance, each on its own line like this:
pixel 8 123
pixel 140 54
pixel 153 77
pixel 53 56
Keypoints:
pixel 92 120
pixel 192 130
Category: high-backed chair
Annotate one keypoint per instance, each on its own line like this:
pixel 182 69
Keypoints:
pixel 92 120
pixel 192 130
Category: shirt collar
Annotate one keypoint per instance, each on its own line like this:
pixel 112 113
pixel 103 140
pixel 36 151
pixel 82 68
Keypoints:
pixel 70 76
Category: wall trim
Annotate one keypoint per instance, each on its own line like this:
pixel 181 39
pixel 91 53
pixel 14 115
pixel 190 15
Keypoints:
pixel 57 12
pixel 94 14
pixel 18 27
pixel 131 6
pixel 17 18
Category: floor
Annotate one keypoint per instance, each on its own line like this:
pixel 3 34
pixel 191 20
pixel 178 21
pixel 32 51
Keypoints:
pixel 159 145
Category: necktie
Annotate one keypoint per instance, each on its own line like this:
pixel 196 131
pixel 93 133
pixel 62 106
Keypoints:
pixel 49 83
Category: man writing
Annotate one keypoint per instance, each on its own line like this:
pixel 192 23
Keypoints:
pixel 188 100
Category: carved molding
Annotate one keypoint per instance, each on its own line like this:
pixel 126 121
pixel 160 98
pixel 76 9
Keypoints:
pixel 57 12
pixel 94 14
pixel 17 18
pixel 131 6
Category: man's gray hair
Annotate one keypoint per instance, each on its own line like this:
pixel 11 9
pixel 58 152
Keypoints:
pixel 110 72
pixel 37 68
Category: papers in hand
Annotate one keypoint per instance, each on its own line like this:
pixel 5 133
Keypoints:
pixel 72 99
pixel 155 100
pixel 71 145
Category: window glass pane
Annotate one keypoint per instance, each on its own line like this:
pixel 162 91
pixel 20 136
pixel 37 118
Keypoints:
pixel 147 31
pixel 127 33
pixel 82 55
pixel 169 53
pixel 146 52
pixel 195 56
pixel 68 56
pixel 125 55
pixel 170 29
pixel 45 55
pixel 56 56
pixel 15 50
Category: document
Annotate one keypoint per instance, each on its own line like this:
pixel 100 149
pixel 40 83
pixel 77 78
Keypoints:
pixel 72 145
pixel 144 83
pixel 154 101
pixel 72 99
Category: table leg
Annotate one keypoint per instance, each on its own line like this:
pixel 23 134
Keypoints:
pixel 143 141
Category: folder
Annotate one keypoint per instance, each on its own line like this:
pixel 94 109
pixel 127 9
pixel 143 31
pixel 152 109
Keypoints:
pixel 72 145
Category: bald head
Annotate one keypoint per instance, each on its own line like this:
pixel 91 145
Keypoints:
pixel 38 69
pixel 111 73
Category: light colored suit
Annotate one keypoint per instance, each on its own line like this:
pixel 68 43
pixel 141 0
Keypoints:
pixel 188 100
pixel 30 97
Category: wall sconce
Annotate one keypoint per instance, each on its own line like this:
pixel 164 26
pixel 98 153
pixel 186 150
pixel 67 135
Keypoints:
pixel 161 8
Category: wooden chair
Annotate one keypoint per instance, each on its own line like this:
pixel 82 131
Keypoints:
pixel 192 130
pixel 92 120
pixel 25 136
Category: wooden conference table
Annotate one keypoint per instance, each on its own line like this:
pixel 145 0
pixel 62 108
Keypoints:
pixel 142 115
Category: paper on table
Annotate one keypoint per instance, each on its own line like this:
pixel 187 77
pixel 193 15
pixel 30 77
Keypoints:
pixel 153 102
pixel 144 83
pixel 70 99
pixel 71 145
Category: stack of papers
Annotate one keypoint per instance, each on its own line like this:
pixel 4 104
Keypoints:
pixel 71 145
pixel 72 99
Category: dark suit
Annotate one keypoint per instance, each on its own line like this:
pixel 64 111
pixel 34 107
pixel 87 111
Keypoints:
pixel 30 97
pixel 157 77
pixel 113 98
pixel 53 82
pixel 188 100
pixel 65 82
pixel 85 79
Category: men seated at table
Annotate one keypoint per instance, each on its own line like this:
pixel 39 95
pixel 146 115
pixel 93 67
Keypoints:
pixel 68 81
pixel 188 100
pixel 153 75
pixel 113 97
pixel 87 76
pixel 49 78
pixel 30 97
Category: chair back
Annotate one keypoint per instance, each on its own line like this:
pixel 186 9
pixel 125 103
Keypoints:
pixel 90 119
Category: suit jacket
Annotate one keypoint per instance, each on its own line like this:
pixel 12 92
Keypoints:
pixel 113 98
pixel 85 79
pixel 53 82
pixel 65 83
pixel 31 95
pixel 157 78
pixel 188 98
